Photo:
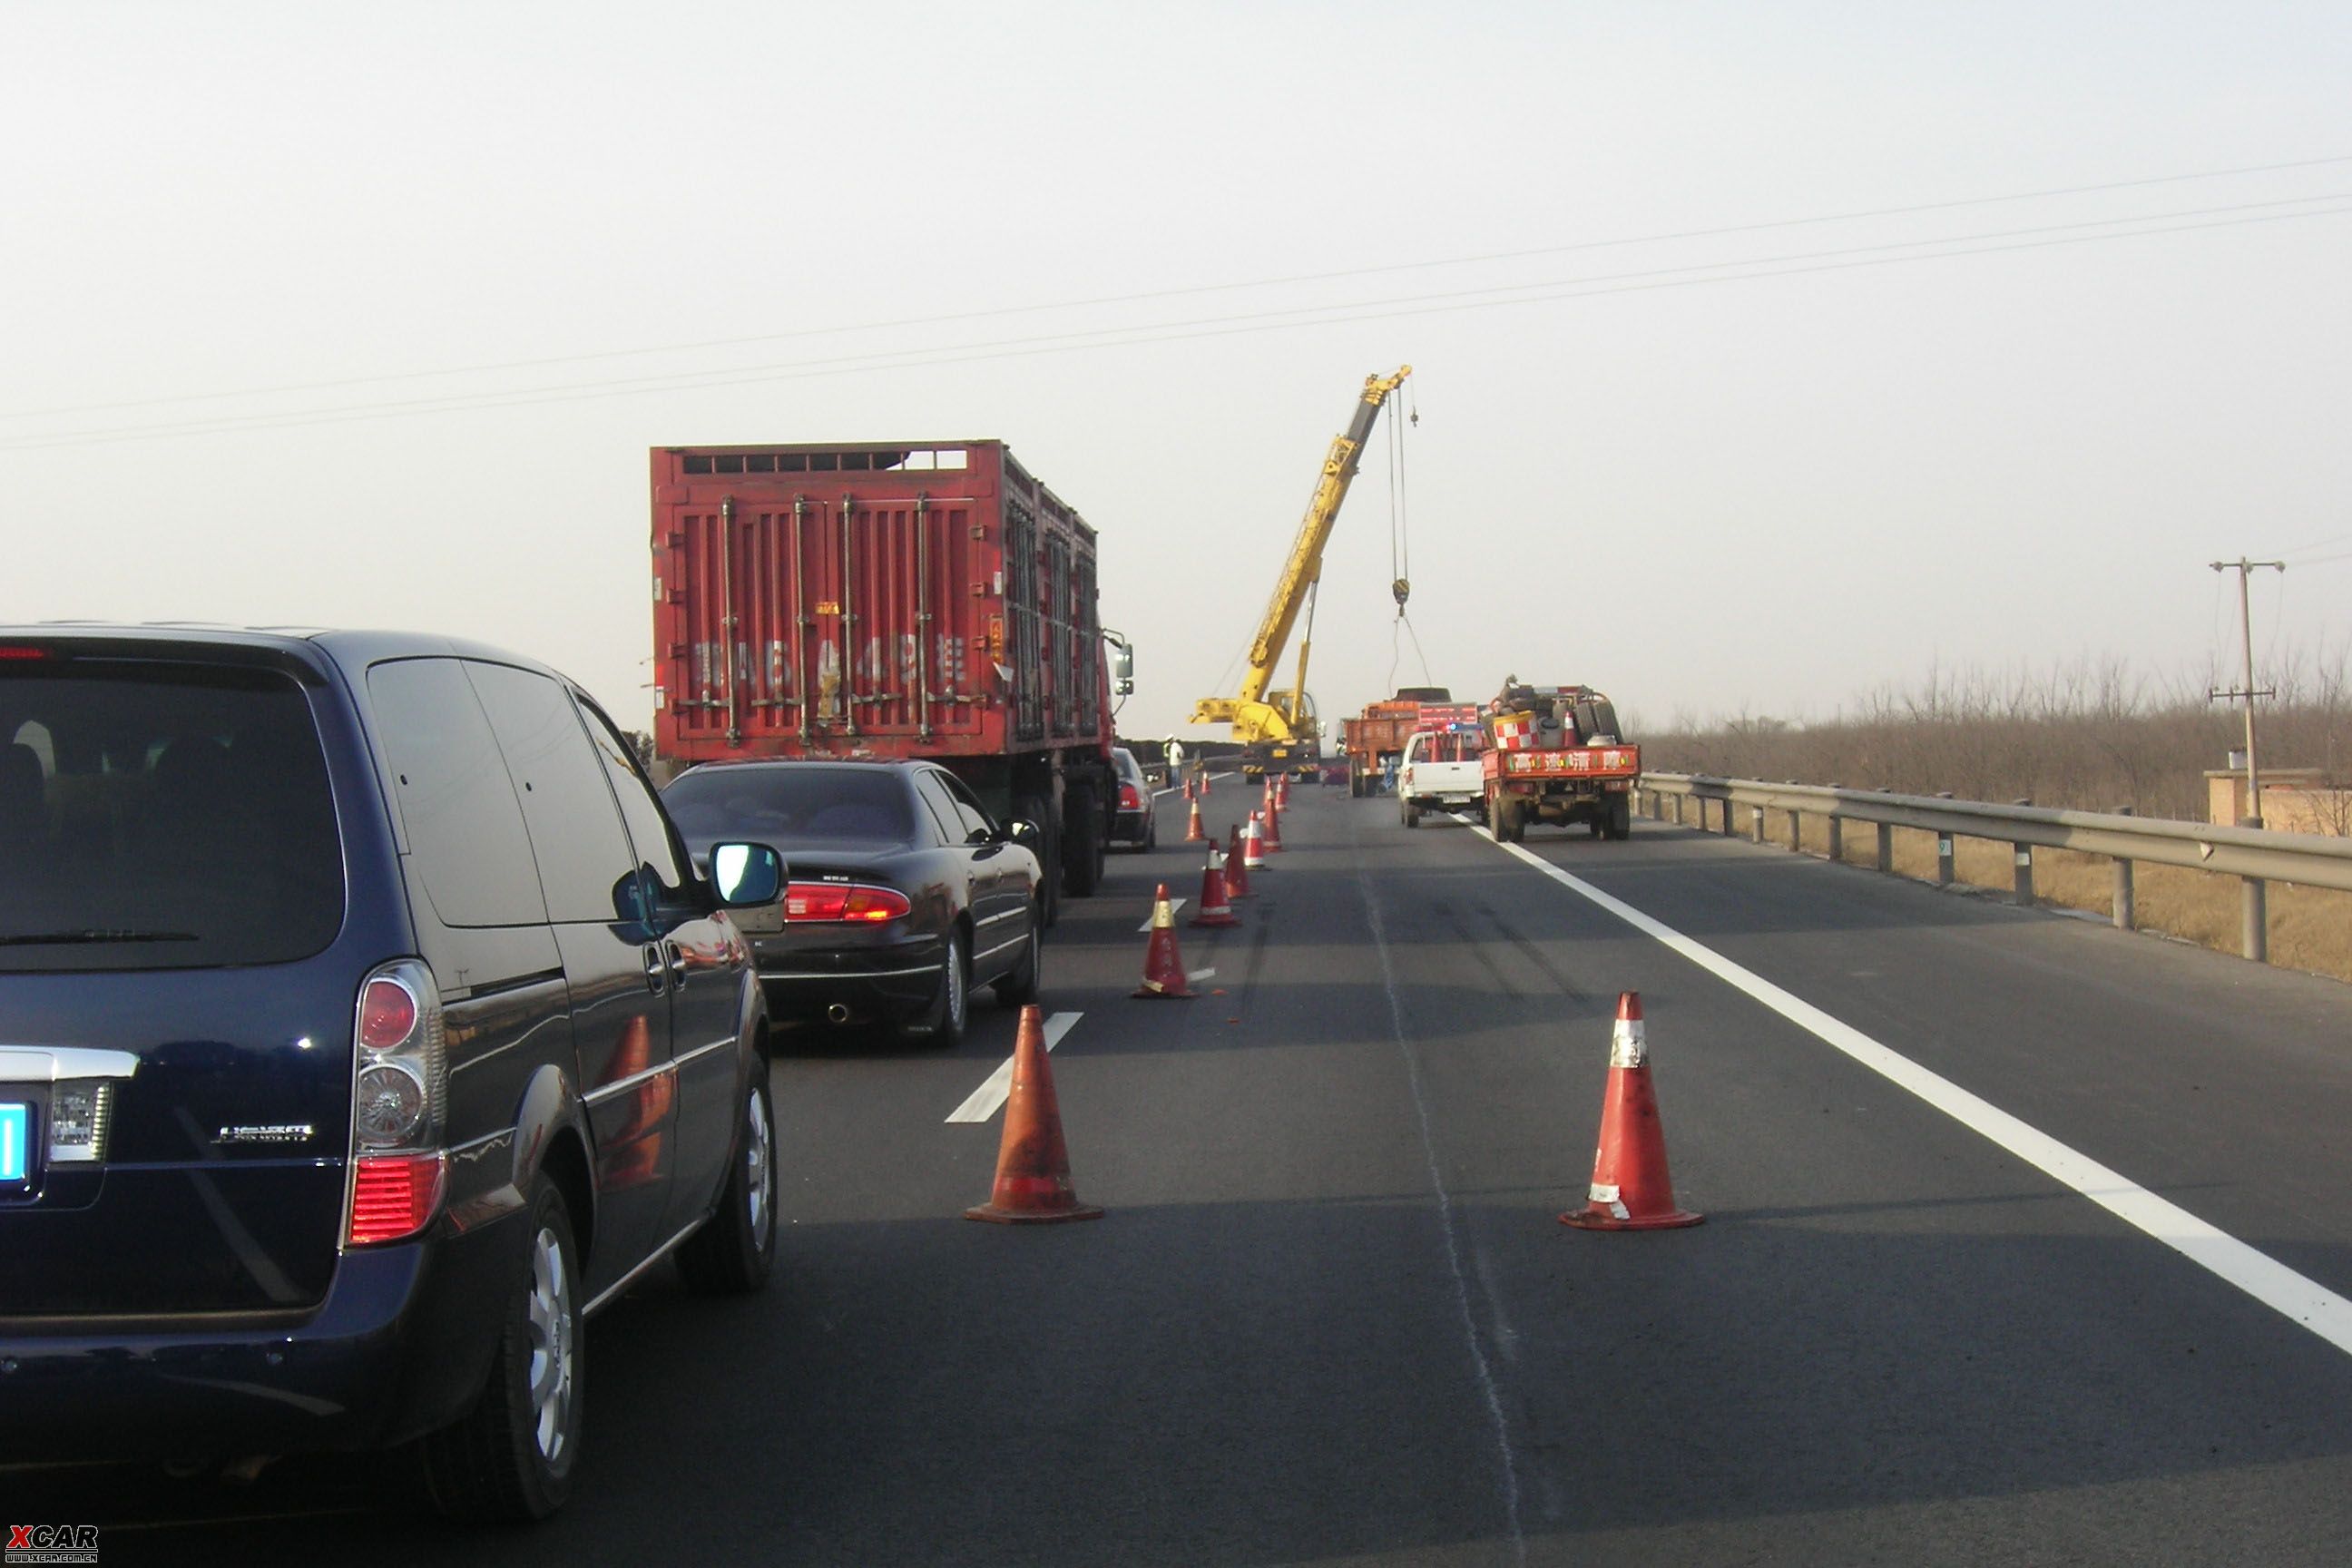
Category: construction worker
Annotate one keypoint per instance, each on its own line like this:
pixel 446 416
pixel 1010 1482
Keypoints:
pixel 1175 759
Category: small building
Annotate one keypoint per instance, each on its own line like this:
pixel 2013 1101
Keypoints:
pixel 2294 800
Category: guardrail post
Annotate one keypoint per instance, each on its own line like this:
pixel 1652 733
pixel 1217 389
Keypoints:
pixel 2257 923
pixel 1678 811
pixel 1755 823
pixel 1837 850
pixel 1886 847
pixel 2024 896
pixel 2124 914
pixel 1943 849
pixel 1797 831
pixel 1729 830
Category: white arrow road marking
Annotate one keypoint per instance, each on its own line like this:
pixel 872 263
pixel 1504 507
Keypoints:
pixel 2271 1283
pixel 989 1097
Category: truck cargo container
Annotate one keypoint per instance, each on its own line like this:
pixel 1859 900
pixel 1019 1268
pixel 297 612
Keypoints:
pixel 1377 736
pixel 909 599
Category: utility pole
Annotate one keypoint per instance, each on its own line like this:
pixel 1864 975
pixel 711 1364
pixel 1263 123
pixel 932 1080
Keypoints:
pixel 2246 569
pixel 2255 920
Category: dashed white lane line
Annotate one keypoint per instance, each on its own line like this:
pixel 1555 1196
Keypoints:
pixel 2271 1283
pixel 989 1097
pixel 1193 974
pixel 1173 905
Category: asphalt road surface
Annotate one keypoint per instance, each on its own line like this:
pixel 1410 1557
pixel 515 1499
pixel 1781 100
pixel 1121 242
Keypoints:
pixel 2027 1241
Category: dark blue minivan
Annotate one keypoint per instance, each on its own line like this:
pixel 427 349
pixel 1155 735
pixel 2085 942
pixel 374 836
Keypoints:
pixel 363 1026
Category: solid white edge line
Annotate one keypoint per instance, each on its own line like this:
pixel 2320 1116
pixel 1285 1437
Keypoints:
pixel 2267 1281
pixel 1173 905
pixel 990 1097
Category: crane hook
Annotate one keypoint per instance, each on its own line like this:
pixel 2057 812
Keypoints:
pixel 1402 589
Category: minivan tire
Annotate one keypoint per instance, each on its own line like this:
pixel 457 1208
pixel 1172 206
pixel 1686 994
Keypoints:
pixel 734 1251
pixel 510 1458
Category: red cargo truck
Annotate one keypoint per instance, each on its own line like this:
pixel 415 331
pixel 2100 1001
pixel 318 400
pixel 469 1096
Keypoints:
pixel 1376 737
pixel 913 599
pixel 1554 754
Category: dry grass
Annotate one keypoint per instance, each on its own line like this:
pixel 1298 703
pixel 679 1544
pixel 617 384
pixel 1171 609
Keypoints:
pixel 2310 928
pixel 2089 736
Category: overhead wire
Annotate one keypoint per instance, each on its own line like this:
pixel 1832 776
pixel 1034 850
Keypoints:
pixel 1287 318
pixel 900 323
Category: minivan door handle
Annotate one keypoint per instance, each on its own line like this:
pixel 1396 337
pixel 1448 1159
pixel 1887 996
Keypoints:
pixel 677 963
pixel 656 971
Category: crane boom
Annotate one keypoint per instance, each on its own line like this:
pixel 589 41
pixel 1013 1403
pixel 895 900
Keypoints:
pixel 1259 718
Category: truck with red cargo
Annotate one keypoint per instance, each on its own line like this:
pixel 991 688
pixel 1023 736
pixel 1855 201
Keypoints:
pixel 926 599
pixel 1554 755
pixel 1377 736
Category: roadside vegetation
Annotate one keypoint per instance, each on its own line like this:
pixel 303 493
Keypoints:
pixel 2090 737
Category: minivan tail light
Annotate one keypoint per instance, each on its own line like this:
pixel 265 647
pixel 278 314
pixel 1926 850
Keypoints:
pixel 808 903
pixel 394 1195
pixel 400 1091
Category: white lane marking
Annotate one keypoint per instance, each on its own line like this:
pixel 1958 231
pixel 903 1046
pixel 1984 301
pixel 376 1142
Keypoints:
pixel 990 1097
pixel 1173 905
pixel 2271 1283
pixel 1453 1250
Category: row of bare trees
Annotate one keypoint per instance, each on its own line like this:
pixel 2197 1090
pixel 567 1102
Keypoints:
pixel 2092 735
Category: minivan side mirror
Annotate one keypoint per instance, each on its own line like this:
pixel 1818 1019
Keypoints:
pixel 1023 832
pixel 746 875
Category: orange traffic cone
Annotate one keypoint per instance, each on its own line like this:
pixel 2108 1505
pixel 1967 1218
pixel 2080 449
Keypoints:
pixel 1163 965
pixel 1032 1167
pixel 1214 910
pixel 1193 834
pixel 1253 845
pixel 1273 831
pixel 1188 786
pixel 1630 1189
pixel 1204 781
pixel 1282 793
pixel 1236 874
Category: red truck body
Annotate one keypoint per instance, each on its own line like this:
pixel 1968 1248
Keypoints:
pixel 1381 732
pixel 903 599
pixel 1554 755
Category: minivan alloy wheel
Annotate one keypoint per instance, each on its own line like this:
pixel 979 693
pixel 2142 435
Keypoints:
pixel 553 1325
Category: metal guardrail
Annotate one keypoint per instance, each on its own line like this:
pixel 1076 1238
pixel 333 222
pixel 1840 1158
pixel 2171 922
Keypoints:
pixel 2256 856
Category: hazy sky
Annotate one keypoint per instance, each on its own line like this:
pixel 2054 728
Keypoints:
pixel 436 253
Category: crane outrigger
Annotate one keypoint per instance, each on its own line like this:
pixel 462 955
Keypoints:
pixel 1277 731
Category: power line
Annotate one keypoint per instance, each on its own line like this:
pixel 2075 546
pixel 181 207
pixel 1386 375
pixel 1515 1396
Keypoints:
pixel 1719 231
pixel 1288 318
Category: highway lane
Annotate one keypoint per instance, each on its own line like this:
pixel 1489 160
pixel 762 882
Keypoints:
pixel 1330 1316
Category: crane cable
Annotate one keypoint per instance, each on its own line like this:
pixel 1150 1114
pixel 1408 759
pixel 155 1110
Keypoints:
pixel 1401 550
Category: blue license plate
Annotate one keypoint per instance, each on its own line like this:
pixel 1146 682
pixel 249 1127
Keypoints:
pixel 15 1133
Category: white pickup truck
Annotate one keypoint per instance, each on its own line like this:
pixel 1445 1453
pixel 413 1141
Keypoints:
pixel 1440 771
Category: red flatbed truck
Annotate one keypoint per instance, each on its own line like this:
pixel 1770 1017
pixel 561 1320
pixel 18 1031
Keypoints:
pixel 922 599
pixel 1554 755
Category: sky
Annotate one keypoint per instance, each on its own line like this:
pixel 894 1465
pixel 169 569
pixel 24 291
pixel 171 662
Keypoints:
pixel 1764 356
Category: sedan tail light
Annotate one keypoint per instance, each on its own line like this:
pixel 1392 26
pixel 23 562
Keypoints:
pixel 1130 798
pixel 808 903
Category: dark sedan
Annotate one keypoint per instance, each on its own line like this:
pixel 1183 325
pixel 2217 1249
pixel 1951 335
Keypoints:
pixel 1135 822
pixel 905 893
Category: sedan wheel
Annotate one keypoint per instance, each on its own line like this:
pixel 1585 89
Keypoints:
pixel 944 1023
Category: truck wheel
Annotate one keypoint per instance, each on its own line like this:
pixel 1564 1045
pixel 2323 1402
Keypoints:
pixel 1040 813
pixel 1620 816
pixel 1494 818
pixel 1082 845
pixel 1514 822
pixel 1598 821
pixel 1412 814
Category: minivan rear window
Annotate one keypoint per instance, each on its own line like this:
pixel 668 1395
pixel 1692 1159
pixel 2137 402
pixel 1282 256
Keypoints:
pixel 157 815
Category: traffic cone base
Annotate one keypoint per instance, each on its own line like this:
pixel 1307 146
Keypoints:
pixel 1630 1189
pixel 1163 965
pixel 1033 1166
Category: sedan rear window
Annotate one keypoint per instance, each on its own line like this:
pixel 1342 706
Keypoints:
pixel 789 806
pixel 161 815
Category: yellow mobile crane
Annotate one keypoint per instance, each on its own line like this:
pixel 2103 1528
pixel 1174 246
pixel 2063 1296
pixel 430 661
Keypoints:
pixel 1277 731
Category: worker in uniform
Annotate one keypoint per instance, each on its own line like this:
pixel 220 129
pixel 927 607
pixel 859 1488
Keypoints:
pixel 1175 760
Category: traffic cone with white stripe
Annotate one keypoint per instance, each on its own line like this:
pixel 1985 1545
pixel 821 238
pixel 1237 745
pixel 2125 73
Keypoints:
pixel 1163 965
pixel 1236 873
pixel 1630 1189
pixel 1253 845
pixel 1281 793
pixel 1193 834
pixel 1032 1164
pixel 1214 910
pixel 1272 835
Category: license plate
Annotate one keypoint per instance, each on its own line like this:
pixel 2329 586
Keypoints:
pixel 15 1135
